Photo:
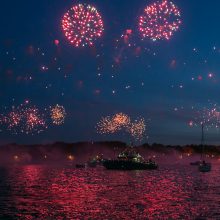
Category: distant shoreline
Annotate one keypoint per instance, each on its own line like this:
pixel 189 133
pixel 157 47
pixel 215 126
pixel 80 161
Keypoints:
pixel 82 151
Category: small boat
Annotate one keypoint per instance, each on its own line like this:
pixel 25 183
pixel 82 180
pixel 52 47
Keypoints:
pixel 129 160
pixel 205 167
pixel 96 161
pixel 80 166
pixel 91 164
pixel 196 163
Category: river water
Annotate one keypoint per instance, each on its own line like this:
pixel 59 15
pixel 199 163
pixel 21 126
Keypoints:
pixel 63 192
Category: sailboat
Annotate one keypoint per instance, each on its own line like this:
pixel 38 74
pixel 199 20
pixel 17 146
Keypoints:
pixel 204 166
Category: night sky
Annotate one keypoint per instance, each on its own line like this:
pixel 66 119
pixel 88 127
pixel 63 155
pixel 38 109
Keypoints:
pixel 167 82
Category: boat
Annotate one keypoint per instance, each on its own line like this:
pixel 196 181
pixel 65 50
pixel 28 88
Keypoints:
pixel 204 166
pixel 196 163
pixel 129 160
pixel 96 161
pixel 80 166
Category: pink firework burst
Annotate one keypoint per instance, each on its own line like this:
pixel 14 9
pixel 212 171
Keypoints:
pixel 34 121
pixel 25 119
pixel 159 20
pixel 209 117
pixel 82 25
pixel 14 119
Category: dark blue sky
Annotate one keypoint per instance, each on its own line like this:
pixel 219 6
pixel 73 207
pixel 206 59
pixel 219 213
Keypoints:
pixel 167 81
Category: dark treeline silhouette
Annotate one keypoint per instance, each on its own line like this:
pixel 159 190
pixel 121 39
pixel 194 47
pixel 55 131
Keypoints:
pixel 81 151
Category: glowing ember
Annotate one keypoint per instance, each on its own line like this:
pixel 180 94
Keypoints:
pixel 16 158
pixel 191 123
pixel 70 157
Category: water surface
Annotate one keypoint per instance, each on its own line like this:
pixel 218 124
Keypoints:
pixel 49 192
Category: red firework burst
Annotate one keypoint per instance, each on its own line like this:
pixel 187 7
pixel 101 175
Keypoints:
pixel 24 119
pixel 34 121
pixel 82 25
pixel 160 20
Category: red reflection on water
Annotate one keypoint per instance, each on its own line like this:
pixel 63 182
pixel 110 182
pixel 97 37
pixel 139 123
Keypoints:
pixel 41 192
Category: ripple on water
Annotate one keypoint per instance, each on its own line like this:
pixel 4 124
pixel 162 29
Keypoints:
pixel 46 192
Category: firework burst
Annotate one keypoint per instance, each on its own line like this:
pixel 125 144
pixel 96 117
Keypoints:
pixel 137 129
pixel 159 20
pixel 14 119
pixel 25 119
pixel 111 125
pixel 35 122
pixel 122 122
pixel 58 114
pixel 82 25
pixel 107 126
pixel 208 117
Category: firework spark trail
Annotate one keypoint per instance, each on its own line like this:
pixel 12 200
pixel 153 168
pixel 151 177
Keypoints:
pixel 58 114
pixel 82 25
pixel 159 20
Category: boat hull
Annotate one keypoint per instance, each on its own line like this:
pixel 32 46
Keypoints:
pixel 80 166
pixel 204 168
pixel 128 165
pixel 197 163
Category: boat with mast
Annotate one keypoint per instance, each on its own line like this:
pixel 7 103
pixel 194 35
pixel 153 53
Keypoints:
pixel 204 166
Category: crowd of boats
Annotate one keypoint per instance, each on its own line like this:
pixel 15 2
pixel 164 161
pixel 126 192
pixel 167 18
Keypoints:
pixel 130 159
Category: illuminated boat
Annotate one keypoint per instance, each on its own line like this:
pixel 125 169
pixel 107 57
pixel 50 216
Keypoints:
pixel 96 161
pixel 129 160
